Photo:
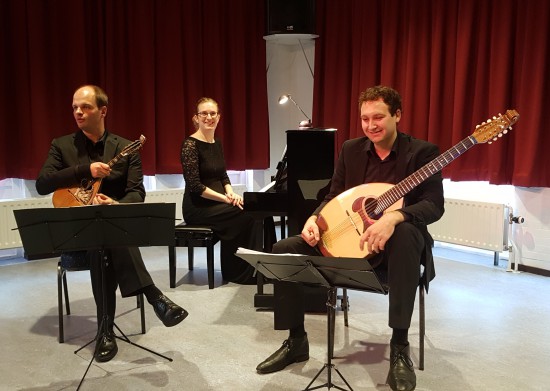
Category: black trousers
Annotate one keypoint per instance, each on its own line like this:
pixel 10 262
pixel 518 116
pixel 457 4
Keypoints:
pixel 235 228
pixel 400 267
pixel 124 268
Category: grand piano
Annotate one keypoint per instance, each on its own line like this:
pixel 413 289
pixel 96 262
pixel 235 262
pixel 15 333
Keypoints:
pixel 309 163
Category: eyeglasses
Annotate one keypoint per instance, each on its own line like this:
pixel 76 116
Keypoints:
pixel 204 114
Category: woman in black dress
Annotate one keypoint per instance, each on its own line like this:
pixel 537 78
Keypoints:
pixel 209 198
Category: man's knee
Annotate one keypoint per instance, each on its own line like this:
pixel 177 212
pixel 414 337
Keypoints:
pixel 280 247
pixel 291 245
pixel 407 233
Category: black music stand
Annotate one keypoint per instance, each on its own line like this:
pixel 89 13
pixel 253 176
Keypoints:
pixel 97 227
pixel 353 273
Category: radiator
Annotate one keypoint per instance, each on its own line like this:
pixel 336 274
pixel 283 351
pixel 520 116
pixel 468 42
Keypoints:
pixel 167 195
pixel 10 238
pixel 481 225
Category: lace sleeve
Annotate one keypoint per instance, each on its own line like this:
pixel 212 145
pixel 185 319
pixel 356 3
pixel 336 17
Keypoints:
pixel 190 165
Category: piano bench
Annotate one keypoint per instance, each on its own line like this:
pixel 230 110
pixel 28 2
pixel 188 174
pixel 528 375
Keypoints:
pixel 191 236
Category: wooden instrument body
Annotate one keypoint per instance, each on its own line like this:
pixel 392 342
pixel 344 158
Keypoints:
pixel 344 219
pixel 76 196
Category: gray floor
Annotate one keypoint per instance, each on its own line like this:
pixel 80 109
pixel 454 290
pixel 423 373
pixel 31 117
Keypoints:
pixel 487 329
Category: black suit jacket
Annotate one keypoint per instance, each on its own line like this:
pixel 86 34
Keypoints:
pixel 68 164
pixel 424 204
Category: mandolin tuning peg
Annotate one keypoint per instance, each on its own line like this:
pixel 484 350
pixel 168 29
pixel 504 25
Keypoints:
pixel 489 120
pixel 500 135
pixel 477 126
pixel 495 117
pixel 495 139
pixel 489 142
pixel 505 131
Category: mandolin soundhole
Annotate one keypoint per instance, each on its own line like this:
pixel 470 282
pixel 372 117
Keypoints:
pixel 369 206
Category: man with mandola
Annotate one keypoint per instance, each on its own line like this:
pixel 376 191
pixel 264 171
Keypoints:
pixel 397 242
pixel 78 159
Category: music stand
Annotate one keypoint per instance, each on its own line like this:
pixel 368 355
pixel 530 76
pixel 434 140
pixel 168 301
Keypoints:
pixel 97 227
pixel 353 273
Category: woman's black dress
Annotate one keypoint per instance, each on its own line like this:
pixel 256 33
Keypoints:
pixel 204 166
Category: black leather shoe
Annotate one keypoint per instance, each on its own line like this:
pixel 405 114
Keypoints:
pixel 168 312
pixel 293 350
pixel 401 376
pixel 106 348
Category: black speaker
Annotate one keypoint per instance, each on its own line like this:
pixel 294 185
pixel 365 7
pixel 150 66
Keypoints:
pixel 290 17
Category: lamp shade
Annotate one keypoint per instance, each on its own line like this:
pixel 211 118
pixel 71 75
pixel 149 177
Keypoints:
pixel 303 124
pixel 283 99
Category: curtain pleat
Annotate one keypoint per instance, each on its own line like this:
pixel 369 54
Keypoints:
pixel 154 59
pixel 456 64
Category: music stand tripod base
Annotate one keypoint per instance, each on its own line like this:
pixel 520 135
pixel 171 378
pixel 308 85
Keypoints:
pixel 329 272
pixel 329 366
pixel 98 227
pixel 103 327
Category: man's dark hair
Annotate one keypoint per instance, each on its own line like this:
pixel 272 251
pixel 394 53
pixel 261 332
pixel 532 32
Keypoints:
pixel 390 97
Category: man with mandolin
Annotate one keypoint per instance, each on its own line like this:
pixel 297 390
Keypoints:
pixel 396 242
pixel 77 173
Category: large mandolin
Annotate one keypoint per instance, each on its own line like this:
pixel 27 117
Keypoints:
pixel 85 193
pixel 343 219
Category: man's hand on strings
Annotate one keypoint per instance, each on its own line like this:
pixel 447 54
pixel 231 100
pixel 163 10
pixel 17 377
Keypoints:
pixel 102 199
pixel 310 232
pixel 379 232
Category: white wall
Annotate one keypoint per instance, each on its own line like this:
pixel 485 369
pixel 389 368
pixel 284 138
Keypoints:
pixel 533 236
pixel 288 72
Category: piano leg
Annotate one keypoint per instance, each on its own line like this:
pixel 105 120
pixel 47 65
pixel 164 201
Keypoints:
pixel 270 238
pixel 283 227
pixel 261 299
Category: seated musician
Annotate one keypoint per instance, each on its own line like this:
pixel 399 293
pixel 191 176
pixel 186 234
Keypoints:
pixel 81 156
pixel 398 242
pixel 209 198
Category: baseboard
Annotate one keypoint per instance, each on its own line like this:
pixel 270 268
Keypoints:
pixel 532 270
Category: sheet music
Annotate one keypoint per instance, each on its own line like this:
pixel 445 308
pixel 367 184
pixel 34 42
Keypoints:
pixel 244 251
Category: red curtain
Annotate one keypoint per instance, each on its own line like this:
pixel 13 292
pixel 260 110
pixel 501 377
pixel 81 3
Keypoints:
pixel 456 63
pixel 155 59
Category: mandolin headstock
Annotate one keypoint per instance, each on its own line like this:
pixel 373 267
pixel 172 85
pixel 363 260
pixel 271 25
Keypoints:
pixel 492 129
